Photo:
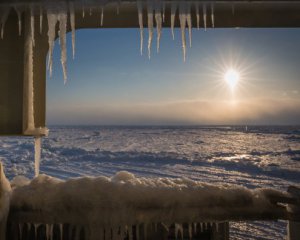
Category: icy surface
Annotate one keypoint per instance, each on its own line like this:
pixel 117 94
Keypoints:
pixel 260 157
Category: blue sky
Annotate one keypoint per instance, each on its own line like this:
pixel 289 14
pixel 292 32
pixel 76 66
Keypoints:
pixel 109 82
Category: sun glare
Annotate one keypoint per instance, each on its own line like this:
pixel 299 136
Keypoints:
pixel 232 77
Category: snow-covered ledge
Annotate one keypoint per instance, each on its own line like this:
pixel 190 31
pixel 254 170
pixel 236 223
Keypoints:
pixel 124 203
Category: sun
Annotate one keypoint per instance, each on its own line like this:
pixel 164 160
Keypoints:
pixel 232 77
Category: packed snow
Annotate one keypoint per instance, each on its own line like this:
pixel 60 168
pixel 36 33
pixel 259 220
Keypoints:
pixel 261 157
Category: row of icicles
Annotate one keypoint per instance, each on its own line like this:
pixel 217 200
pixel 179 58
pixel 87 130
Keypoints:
pixel 177 230
pixel 59 14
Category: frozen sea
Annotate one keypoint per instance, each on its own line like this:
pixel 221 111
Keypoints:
pixel 260 156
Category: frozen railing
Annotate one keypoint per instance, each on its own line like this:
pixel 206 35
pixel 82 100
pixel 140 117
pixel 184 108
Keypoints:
pixel 125 206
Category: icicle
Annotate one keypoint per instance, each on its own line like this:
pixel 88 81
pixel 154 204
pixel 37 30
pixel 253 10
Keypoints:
pixel 205 225
pixel 195 228
pixel 35 229
pixel 52 21
pixel 32 24
pixel 201 227
pixel 29 78
pixel 173 13
pixel 61 230
pixel 141 24
pixel 83 12
pixel 37 154
pixel 204 16
pixel 63 30
pixel 51 232
pixel 190 231
pixel 47 231
pixel 21 230
pixel 19 14
pixel 164 11
pixel 189 23
pixel 197 14
pixel 217 226
pixel 150 26
pixel 158 21
pixel 41 20
pixel 130 237
pixel 102 17
pixel 72 21
pixel 233 8
pixel 183 19
pixel 212 8
pixel 4 12
pixel 178 228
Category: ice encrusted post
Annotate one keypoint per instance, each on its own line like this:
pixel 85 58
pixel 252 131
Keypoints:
pixel 29 91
